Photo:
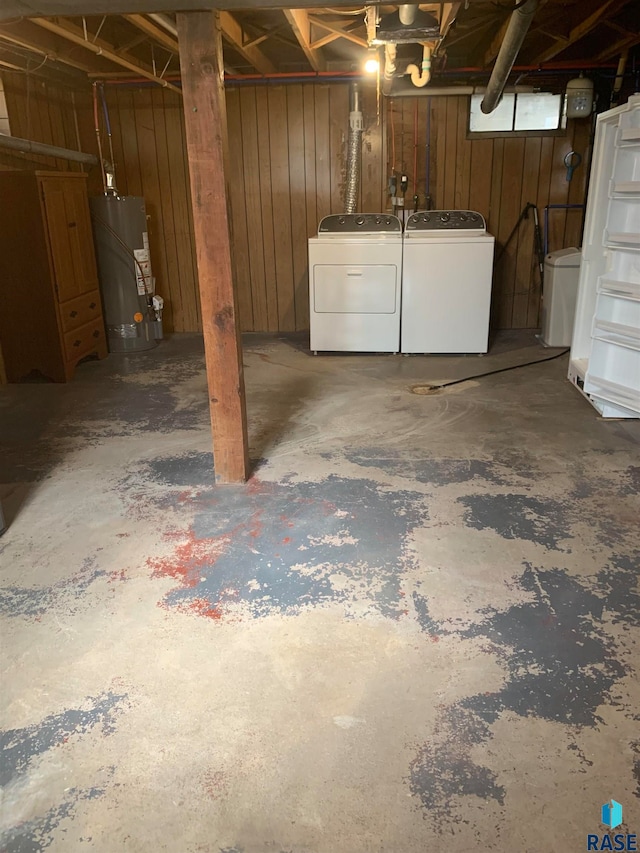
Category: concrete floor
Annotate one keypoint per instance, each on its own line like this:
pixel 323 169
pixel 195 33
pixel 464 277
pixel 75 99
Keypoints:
pixel 414 629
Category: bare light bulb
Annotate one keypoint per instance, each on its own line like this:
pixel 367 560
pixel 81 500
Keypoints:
pixel 371 65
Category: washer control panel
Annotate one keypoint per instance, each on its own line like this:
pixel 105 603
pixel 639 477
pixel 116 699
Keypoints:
pixel 353 223
pixel 446 220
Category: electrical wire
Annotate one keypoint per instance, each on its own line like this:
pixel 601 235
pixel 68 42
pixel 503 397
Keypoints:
pixel 108 126
pixel 342 11
pixel 26 70
pixel 96 122
pixel 499 370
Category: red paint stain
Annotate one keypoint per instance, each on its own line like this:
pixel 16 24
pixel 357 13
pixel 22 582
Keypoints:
pixel 286 540
pixel 117 576
pixel 190 557
pixel 435 638
pixel 203 607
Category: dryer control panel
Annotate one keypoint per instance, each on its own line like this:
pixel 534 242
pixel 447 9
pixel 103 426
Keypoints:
pixel 446 220
pixel 354 223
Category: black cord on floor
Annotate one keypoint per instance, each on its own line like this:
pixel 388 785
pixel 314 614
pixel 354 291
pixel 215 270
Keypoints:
pixel 502 369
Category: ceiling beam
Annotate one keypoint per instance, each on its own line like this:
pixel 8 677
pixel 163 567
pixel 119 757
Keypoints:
pixel 606 7
pixel 301 26
pixel 28 37
pixel 101 48
pixel 154 32
pixel 496 43
pixel 618 47
pixel 232 31
pixel 326 39
pixel 339 32
pixel 448 12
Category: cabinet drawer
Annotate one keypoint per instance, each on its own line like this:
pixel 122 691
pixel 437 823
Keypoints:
pixel 83 340
pixel 80 311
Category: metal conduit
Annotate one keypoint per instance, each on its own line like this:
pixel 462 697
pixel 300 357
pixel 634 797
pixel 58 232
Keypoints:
pixel 29 147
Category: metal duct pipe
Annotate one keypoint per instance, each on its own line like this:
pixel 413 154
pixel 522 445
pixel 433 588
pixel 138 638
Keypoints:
pixel 519 24
pixel 354 148
pixel 30 147
pixel 407 14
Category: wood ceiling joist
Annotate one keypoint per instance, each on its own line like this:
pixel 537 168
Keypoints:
pixel 301 26
pixel 618 47
pixel 154 32
pixel 26 36
pixel 232 32
pixel 326 39
pixel 101 48
pixel 607 7
pixel 448 12
pixel 339 32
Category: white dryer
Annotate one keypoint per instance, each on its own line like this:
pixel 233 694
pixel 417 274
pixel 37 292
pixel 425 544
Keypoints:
pixel 446 282
pixel 355 275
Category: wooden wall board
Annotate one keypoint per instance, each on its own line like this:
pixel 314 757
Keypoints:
pixel 288 150
pixel 237 195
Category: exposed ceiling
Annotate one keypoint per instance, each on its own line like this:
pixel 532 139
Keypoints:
pixel 260 40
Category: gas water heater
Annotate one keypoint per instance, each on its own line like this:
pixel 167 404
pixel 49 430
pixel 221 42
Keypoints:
pixel 132 310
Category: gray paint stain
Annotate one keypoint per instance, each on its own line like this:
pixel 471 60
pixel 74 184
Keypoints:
pixel 561 666
pixel 36 601
pixel 618 582
pixel 20 746
pixel 515 516
pixel 442 769
pixel 425 621
pixel 275 547
pixel 35 835
pixel 187 469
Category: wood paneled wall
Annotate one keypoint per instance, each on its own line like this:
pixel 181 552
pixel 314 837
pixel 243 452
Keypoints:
pixel 287 171
pixel 496 177
pixel 43 112
pixel 288 148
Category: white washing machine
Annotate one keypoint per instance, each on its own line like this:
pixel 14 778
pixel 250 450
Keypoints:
pixel 355 279
pixel 446 282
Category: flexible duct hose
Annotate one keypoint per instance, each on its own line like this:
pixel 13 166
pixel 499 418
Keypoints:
pixel 354 149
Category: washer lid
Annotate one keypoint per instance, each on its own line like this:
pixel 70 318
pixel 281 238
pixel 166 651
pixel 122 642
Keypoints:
pixel 360 223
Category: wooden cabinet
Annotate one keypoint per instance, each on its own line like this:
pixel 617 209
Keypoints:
pixel 50 307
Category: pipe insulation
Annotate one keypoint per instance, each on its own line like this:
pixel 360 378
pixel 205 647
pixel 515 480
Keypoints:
pixel 518 26
pixel 354 149
pixel 29 147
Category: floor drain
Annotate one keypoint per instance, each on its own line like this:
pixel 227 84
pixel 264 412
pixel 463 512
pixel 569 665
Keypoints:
pixel 425 389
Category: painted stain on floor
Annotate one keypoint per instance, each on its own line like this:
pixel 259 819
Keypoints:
pixel 34 602
pixel 19 747
pixel 513 516
pixel 261 548
pixel 35 835
pixel 560 666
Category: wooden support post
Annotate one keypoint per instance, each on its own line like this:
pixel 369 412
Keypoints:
pixel 202 70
